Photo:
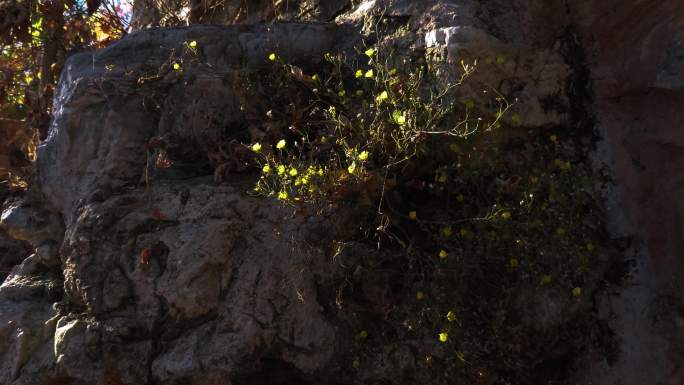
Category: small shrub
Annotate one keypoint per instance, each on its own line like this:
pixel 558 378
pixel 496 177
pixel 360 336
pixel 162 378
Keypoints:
pixel 365 119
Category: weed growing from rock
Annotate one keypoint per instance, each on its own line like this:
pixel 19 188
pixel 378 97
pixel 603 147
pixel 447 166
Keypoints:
pixel 480 233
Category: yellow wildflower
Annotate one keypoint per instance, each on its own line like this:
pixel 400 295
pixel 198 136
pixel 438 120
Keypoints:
pixel 352 167
pixel 293 172
pixel 443 254
pixel 176 66
pixel 358 73
pixel 369 74
pixel 451 316
pixel 447 231
pixel 443 336
pixel 382 96
pixel 281 144
pixel 281 170
pixel 192 44
pixel 282 195
pixel 256 147
pixel 577 292
pixel 370 52
pixel 363 156
pixel 272 57
pixel 399 117
pixel 266 169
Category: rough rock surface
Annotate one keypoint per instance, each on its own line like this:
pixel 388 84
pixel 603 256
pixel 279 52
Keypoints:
pixel 637 78
pixel 154 13
pixel 630 81
pixel 165 278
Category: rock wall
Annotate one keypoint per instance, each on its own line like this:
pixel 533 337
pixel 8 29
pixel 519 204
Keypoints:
pixel 637 80
pixel 163 277
pixel 171 277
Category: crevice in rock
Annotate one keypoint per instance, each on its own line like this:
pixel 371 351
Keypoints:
pixel 579 85
pixel 12 252
pixel 274 372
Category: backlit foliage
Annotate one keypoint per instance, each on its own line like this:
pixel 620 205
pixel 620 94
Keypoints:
pixel 36 37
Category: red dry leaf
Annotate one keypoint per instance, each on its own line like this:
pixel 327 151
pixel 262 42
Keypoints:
pixel 145 255
pixel 510 185
pixel 513 181
pixel 158 215
pixel 153 143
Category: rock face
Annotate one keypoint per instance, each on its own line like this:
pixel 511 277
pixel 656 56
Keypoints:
pixel 154 13
pixel 173 279
pixel 145 275
pixel 229 282
pixel 631 81
pixel 637 78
